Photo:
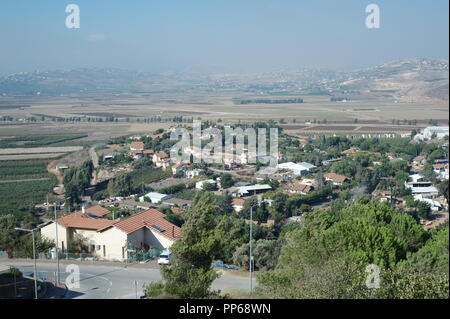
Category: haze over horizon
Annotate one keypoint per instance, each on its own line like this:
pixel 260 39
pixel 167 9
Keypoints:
pixel 228 36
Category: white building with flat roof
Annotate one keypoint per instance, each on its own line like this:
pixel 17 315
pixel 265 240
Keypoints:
pixel 427 133
pixel 155 198
pixel 252 189
pixel 297 168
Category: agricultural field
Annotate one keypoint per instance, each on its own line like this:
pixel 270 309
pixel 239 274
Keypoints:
pixel 36 141
pixel 22 184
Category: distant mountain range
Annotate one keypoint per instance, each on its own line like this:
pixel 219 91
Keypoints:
pixel 406 80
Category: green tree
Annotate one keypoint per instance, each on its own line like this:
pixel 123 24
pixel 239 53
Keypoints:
pixel 123 186
pixel 190 275
pixel 226 180
pixel 9 237
pixel 443 189
pixel 327 255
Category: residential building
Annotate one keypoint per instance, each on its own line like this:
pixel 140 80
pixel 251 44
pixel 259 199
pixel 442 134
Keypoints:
pixel 199 185
pixel 419 186
pixel 441 170
pixel 95 211
pixel 296 187
pixel 419 160
pixel 434 204
pixel 155 198
pixel 161 159
pixel 115 240
pixel 178 167
pixel 336 179
pixel 238 204
pixel 137 146
pixel 193 173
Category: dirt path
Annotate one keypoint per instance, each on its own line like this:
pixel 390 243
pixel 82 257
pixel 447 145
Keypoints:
pixel 52 168
pixel 94 158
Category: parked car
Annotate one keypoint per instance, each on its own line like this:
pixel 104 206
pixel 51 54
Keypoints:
pixel 164 257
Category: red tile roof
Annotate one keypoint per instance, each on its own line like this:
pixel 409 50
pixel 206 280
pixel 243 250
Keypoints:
pixel 296 186
pixel 149 218
pixel 97 210
pixel 162 155
pixel 238 202
pixel 335 178
pixel 78 220
pixel 137 145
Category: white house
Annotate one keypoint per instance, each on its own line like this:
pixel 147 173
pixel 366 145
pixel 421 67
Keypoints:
pixel 434 204
pixel 419 186
pixel 193 172
pixel 114 240
pixel 137 146
pixel 441 170
pixel 199 185
pixel 155 198
pixel 161 159
pixel 178 167
pixel 238 204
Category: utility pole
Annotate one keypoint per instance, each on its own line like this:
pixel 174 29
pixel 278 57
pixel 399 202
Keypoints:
pixel 251 261
pixel 68 203
pixel 135 287
pixel 57 248
pixel 251 256
pixel 35 271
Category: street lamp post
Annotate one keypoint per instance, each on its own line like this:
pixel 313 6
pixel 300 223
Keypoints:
pixel 251 251
pixel 251 256
pixel 68 210
pixel 57 248
pixel 34 257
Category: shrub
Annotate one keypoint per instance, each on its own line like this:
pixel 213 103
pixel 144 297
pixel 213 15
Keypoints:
pixel 155 289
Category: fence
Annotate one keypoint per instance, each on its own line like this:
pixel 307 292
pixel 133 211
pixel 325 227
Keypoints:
pixel 143 256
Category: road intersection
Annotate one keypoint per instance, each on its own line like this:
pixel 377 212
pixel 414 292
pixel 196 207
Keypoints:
pixel 99 280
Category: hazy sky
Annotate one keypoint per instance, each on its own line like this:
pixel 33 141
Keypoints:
pixel 234 35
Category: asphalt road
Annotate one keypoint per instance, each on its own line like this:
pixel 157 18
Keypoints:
pixel 109 281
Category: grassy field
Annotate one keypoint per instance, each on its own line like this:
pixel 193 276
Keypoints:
pixel 23 183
